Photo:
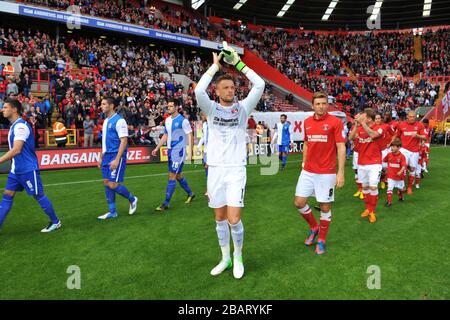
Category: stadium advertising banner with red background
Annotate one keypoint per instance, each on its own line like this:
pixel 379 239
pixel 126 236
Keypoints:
pixel 52 159
pixel 79 158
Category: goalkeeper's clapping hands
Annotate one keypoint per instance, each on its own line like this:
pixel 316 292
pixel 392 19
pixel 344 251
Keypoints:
pixel 231 57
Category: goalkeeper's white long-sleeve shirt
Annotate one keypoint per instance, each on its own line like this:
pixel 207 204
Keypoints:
pixel 228 125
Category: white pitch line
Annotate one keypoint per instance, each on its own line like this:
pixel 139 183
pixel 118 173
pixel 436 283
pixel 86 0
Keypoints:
pixel 132 177
pixel 100 180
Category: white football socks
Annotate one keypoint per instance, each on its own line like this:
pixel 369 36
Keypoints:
pixel 223 234
pixel 237 233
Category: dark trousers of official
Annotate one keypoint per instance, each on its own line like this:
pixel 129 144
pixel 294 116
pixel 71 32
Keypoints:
pixel 61 143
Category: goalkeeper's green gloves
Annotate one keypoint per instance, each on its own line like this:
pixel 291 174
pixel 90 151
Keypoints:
pixel 230 56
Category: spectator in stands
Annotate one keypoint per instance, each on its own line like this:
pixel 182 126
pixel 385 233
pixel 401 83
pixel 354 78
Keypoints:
pixel 2 68
pixel 142 136
pixel 251 124
pixel 69 115
pixel 25 84
pixel 12 88
pixel 60 90
pixel 3 85
pixel 290 98
pixel 151 120
pixel 8 70
pixel 60 133
pixel 79 122
pixel 88 126
pixel 47 111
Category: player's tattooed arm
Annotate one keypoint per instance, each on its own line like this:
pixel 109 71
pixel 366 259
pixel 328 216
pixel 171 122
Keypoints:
pixel 421 136
pixel 372 133
pixel 354 132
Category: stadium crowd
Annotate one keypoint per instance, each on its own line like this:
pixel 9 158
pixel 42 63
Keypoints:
pixel 133 73
pixel 143 13
pixel 319 54
pixel 396 96
pixel 436 53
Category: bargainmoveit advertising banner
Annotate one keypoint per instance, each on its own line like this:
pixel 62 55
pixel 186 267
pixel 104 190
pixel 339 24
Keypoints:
pixel 51 159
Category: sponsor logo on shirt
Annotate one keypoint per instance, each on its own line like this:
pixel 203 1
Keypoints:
pixel 366 140
pixel 234 122
pixel 394 165
pixel 409 133
pixel 317 138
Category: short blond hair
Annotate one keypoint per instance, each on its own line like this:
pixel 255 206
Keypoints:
pixel 319 95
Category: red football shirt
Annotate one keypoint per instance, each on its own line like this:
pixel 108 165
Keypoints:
pixel 355 145
pixel 427 131
pixel 370 149
pixel 395 163
pixel 406 133
pixel 387 135
pixel 394 126
pixel 422 154
pixel 322 136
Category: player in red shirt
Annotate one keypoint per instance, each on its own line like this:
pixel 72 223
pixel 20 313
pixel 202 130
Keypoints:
pixel 386 140
pixel 392 123
pixel 358 193
pixel 411 132
pixel 324 137
pixel 370 140
pixel 421 164
pixel 396 171
pixel 428 134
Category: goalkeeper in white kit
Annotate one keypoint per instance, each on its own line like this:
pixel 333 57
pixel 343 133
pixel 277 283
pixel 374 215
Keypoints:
pixel 227 153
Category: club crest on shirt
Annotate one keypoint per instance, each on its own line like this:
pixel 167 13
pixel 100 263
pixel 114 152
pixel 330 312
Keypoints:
pixel 325 127
pixel 176 124
pixel 110 126
pixel 234 110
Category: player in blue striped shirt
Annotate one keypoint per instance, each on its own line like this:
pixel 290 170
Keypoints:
pixel 283 137
pixel 24 174
pixel 113 159
pixel 177 132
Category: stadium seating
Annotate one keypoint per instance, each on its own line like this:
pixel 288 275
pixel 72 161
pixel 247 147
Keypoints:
pixel 77 73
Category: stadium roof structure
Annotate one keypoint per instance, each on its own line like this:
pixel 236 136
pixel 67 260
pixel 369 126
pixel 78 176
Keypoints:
pixel 344 15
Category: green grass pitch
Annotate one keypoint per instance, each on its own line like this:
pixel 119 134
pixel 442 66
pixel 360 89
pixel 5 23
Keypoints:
pixel 169 255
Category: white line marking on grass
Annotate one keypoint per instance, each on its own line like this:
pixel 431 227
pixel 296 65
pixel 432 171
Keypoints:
pixel 132 177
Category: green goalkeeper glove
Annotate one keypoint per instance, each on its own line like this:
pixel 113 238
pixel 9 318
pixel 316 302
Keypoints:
pixel 230 56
